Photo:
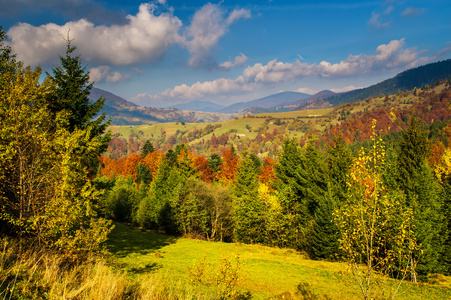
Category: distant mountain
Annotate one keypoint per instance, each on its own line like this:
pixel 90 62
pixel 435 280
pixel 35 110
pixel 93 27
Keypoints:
pixel 198 106
pixel 279 99
pixel 407 80
pixel 122 112
pixel 318 96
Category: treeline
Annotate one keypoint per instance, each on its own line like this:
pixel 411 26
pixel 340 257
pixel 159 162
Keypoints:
pixel 306 199
pixel 407 80
pixel 50 137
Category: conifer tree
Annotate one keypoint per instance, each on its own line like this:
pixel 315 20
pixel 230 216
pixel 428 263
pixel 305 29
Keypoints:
pixel 416 180
pixel 324 241
pixel 72 95
pixel 248 216
pixel 147 148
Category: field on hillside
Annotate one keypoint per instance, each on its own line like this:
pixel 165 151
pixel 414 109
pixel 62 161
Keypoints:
pixel 154 131
pixel 264 271
pixel 263 134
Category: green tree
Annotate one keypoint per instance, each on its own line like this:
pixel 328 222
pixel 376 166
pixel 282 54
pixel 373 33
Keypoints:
pixel 44 188
pixel 147 148
pixel 422 191
pixel 72 95
pixel 248 210
pixel 8 61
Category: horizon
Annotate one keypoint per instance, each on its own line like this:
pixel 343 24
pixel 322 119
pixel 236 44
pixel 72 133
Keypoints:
pixel 165 52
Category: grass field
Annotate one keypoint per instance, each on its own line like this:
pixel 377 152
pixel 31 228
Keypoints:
pixel 265 272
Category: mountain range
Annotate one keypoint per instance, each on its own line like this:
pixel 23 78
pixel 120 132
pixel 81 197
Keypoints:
pixel 123 112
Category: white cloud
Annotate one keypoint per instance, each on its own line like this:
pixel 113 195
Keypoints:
pixel 144 38
pixel 375 21
pixel 388 57
pixel 104 73
pixel 201 89
pixel 413 11
pixel 207 27
pixel 238 62
pixel 391 56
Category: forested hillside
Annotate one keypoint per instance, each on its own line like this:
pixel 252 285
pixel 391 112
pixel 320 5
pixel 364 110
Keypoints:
pixel 366 183
pixel 407 80
pixel 381 167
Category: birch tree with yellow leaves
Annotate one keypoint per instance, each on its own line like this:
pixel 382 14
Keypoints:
pixel 377 232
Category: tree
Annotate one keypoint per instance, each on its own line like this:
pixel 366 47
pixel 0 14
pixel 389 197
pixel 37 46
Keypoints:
pixel 416 180
pixel 248 210
pixel 44 188
pixel 8 61
pixel 229 164
pixel 376 227
pixel 72 95
pixel 147 148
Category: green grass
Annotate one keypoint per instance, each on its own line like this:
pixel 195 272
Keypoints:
pixel 266 271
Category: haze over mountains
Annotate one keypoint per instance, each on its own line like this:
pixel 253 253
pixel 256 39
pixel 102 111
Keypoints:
pixel 123 112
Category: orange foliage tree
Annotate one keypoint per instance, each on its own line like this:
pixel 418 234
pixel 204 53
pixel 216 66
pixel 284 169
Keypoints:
pixel 229 164
pixel 153 161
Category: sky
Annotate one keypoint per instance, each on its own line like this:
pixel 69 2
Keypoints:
pixel 164 52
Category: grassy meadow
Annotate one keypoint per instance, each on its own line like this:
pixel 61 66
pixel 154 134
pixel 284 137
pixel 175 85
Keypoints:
pixel 264 271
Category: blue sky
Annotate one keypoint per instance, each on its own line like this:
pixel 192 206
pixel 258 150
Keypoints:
pixel 165 52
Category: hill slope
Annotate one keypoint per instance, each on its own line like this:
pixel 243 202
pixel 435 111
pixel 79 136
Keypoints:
pixel 407 80
pixel 123 112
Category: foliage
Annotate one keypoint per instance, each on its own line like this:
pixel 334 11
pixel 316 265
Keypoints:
pixel 223 281
pixel 376 228
pixel 72 95
pixel 44 188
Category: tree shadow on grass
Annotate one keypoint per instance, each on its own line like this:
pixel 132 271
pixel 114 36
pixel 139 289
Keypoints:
pixel 125 240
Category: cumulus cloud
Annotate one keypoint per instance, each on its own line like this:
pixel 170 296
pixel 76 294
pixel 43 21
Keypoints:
pixel 145 37
pixel 413 11
pixel 104 73
pixel 238 62
pixel 387 57
pixel 208 25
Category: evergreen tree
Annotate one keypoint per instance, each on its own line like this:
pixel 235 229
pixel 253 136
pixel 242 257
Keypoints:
pixel 147 148
pixel 248 211
pixel 215 162
pixel 72 95
pixel 445 259
pixel 324 242
pixel 339 162
pixel 422 192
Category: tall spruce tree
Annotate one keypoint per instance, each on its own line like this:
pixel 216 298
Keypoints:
pixel 248 211
pixel 72 95
pixel 416 180
pixel 324 243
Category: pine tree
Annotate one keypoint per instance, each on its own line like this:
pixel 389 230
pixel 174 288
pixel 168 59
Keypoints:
pixel 72 95
pixel 324 242
pixel 248 211
pixel 147 148
pixel 416 180
pixel 339 162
